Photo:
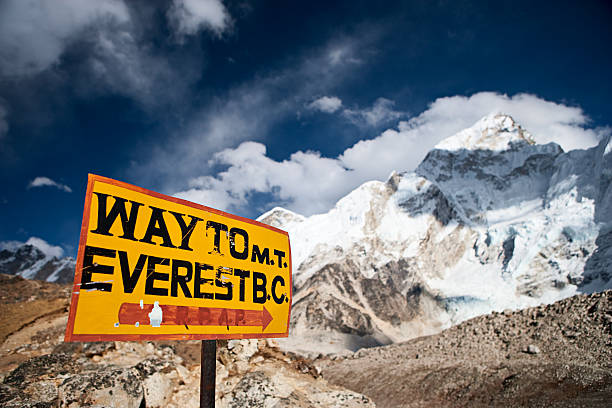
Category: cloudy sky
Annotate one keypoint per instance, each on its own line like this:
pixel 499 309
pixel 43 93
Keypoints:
pixel 245 105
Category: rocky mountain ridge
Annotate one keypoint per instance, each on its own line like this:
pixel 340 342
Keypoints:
pixel 34 260
pixel 488 221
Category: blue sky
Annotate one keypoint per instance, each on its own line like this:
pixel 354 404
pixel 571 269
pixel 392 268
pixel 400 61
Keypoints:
pixel 245 105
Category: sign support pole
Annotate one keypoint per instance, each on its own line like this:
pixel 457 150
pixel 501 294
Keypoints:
pixel 208 373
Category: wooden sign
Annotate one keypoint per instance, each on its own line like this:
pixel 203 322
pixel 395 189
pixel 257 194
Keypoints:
pixel 153 267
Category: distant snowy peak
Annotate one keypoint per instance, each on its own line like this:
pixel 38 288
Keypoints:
pixel 279 217
pixel 494 132
pixel 492 166
pixel 36 259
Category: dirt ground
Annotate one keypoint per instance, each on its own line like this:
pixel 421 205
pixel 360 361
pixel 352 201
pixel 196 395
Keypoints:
pixel 557 355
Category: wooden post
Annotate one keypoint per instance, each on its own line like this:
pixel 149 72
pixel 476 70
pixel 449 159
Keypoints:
pixel 208 373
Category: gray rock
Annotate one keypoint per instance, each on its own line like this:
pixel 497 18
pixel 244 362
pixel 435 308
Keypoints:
pixel 97 348
pixel 107 386
pixel 42 367
pixel 253 391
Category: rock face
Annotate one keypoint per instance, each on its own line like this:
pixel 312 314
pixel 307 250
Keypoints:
pixel 488 221
pixel 29 261
pixel 150 374
pixel 94 374
pixel 557 355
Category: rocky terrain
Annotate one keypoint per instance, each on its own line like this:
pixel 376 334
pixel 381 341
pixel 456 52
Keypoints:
pixel 551 355
pixel 557 355
pixel 37 369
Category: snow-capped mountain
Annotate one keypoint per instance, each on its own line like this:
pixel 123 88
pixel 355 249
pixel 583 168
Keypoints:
pixel 35 259
pixel 488 221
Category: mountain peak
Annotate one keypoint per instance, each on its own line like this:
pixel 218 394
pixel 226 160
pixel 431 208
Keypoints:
pixel 280 217
pixel 36 259
pixel 496 132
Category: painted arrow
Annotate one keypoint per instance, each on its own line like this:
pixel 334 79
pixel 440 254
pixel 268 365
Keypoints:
pixel 132 313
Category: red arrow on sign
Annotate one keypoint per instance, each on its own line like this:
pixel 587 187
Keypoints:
pixel 132 313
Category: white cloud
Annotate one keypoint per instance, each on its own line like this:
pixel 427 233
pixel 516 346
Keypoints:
pixel 380 113
pixel 308 183
pixel 10 245
pixel 547 121
pixel 250 170
pixel 34 33
pixel 404 148
pixel 343 53
pixel 107 40
pixel 47 182
pixel 327 104
pixel 244 113
pixel 46 248
pixel 187 17
pixel 118 62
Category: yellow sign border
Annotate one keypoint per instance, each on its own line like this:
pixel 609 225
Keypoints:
pixel 71 336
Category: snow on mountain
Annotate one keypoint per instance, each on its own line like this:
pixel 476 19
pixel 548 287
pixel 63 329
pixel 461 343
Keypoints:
pixel 36 259
pixel 488 221
pixel 494 132
pixel 278 217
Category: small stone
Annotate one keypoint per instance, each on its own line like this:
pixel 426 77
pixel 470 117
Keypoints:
pixel 533 349
pixel 183 373
pixel 271 343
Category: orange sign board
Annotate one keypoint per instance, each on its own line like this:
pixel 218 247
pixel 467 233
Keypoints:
pixel 153 267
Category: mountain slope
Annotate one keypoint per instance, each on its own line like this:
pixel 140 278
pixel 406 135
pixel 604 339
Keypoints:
pixel 488 221
pixel 557 355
